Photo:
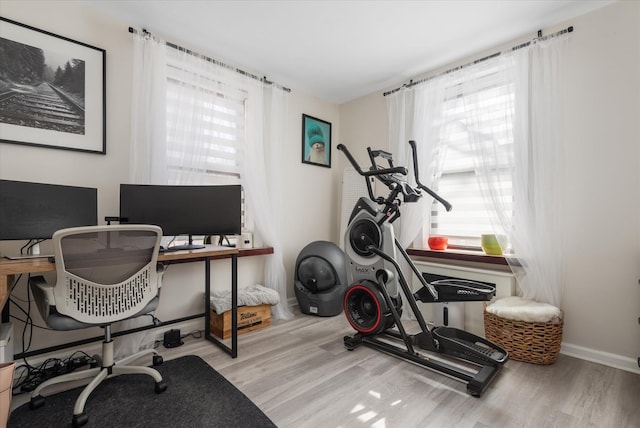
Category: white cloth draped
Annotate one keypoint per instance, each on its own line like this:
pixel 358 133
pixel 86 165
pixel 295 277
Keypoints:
pixel 259 158
pixel 262 178
pixel 535 227
pixel 149 111
pixel 413 116
pixel 539 179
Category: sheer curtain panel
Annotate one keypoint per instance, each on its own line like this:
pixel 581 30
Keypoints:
pixel 262 178
pixel 501 119
pixel 413 115
pixel 218 126
pixel 539 181
pixel 149 108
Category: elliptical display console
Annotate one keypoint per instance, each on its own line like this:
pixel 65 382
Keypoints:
pixel 372 301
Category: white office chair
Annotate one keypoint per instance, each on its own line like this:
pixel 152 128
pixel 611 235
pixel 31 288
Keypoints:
pixel 104 274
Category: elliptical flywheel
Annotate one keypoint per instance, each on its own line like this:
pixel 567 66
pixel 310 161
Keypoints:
pixel 366 309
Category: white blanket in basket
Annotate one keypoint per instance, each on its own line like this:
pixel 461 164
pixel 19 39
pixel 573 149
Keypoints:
pixel 519 309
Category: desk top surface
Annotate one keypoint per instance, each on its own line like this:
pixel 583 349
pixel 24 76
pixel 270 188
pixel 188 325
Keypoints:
pixel 208 251
pixel 42 264
pixel 10 267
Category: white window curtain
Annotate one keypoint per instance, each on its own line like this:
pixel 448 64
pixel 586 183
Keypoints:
pixel 531 120
pixel 204 84
pixel 261 174
pixel 539 173
pixel 414 114
pixel 148 145
pixel 531 217
pixel 478 108
pixel 149 111
pixel 486 118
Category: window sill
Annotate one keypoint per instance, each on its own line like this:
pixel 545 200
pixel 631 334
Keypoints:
pixel 458 256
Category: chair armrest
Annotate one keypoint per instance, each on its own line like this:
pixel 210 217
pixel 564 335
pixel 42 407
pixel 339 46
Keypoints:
pixel 43 295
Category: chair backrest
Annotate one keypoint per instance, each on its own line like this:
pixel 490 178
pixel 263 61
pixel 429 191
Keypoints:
pixel 105 273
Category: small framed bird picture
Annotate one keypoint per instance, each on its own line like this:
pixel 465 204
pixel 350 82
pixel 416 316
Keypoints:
pixel 316 141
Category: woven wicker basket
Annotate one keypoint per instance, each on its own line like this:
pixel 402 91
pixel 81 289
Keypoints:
pixel 531 342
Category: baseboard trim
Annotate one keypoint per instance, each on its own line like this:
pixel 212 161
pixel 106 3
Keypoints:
pixel 600 357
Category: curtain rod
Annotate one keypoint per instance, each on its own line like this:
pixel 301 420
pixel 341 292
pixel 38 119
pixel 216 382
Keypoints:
pixel 215 61
pixel 515 48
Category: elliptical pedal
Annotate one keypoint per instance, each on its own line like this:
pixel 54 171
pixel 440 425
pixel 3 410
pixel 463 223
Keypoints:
pixel 462 344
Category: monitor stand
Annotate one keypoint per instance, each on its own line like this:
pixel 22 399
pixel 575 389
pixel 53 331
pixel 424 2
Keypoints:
pixel 189 246
pixel 32 253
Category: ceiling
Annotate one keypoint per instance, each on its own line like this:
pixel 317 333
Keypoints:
pixel 342 50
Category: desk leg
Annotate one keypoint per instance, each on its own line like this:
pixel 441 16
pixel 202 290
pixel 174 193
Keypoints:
pixel 234 305
pixel 207 298
pixel 233 351
pixel 6 281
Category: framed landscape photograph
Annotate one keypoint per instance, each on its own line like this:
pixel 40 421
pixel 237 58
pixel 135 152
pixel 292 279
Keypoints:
pixel 316 141
pixel 52 90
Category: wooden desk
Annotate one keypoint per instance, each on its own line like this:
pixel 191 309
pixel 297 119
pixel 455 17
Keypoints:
pixel 11 268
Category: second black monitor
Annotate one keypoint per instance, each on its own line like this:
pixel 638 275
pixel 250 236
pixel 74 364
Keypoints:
pixel 36 210
pixel 183 209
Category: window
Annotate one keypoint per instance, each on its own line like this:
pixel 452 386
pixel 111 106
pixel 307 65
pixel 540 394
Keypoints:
pixel 478 108
pixel 210 139
pixel 205 129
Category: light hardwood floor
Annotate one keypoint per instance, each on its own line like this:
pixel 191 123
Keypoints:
pixel 300 374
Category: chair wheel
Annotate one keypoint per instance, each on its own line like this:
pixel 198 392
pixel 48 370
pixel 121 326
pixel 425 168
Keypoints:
pixel 157 360
pixel 161 386
pixel 36 402
pixel 79 420
pixel 96 361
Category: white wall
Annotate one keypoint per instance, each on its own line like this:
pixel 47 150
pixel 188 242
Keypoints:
pixel 309 211
pixel 602 297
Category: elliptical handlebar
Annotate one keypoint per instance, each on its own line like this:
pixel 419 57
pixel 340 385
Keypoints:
pixel 435 196
pixel 375 171
pixel 372 172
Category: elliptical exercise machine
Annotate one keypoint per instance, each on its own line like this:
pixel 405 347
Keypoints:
pixel 372 302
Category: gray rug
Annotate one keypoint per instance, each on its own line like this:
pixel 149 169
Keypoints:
pixel 196 396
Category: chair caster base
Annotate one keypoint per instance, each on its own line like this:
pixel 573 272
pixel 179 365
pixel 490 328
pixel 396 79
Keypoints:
pixel 157 360
pixel 79 420
pixel 36 402
pixel 161 387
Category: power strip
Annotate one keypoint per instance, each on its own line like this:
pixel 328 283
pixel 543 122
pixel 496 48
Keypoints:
pixel 56 370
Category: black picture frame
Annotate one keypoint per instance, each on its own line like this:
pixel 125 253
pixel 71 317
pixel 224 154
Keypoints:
pixel 316 131
pixel 54 90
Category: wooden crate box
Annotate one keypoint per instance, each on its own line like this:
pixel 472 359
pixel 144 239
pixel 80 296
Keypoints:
pixel 249 318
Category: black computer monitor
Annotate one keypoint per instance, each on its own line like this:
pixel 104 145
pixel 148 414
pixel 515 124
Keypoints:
pixel 183 210
pixel 36 210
